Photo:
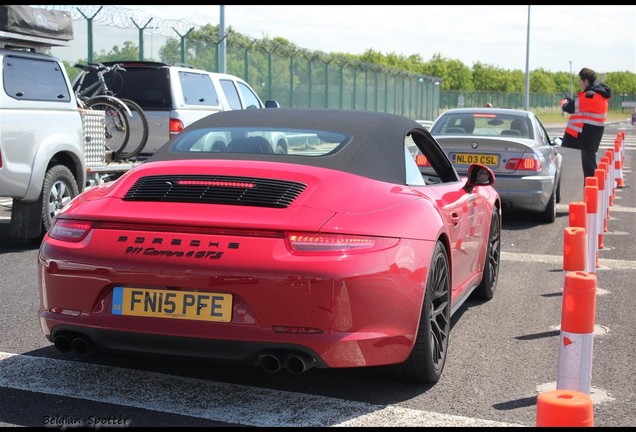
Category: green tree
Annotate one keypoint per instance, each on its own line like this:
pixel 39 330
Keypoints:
pixel 621 83
pixel 542 82
pixel 129 51
pixel 453 73
pixel 562 80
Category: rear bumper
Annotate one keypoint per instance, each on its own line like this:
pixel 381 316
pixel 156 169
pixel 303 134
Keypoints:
pixel 530 193
pixel 118 342
pixel 328 350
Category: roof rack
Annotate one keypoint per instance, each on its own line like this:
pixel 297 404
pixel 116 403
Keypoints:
pixel 20 41
pixel 33 29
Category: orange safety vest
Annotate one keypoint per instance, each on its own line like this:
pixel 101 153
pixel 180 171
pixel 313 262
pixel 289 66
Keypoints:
pixel 592 111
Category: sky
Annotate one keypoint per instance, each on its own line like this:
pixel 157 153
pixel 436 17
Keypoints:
pixel 561 38
pixel 493 35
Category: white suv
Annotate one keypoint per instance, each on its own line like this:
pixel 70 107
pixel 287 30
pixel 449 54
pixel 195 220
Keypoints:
pixel 173 97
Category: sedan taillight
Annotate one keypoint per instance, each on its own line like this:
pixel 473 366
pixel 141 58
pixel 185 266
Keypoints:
pixel 422 161
pixel 529 162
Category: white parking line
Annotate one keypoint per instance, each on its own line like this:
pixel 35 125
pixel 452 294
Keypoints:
pixel 230 403
pixel 558 260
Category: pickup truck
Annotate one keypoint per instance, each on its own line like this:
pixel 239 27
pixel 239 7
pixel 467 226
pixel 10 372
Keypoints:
pixel 50 150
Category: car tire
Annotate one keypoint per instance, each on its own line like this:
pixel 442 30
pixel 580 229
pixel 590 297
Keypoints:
pixel 426 362
pixel 486 288
pixel 549 214
pixel 219 146
pixel 58 189
pixel 558 191
pixel 281 147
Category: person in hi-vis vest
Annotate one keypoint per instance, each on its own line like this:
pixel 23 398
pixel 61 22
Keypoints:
pixel 588 112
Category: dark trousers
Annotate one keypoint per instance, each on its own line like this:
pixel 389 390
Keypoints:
pixel 588 161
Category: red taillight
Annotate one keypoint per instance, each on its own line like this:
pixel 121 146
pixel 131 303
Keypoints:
pixel 422 161
pixel 336 244
pixel 176 126
pixel 70 230
pixel 526 163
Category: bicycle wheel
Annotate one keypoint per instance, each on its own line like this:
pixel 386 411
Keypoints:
pixel 117 129
pixel 138 127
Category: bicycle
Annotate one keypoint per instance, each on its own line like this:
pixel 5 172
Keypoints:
pixel 126 125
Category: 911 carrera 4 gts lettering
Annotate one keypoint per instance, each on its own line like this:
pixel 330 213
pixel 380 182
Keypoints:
pixel 132 250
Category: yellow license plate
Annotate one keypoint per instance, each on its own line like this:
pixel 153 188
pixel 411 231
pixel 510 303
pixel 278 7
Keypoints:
pixel 468 158
pixel 190 305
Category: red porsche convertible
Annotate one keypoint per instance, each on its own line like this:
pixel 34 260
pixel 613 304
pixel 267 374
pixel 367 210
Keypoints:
pixel 353 249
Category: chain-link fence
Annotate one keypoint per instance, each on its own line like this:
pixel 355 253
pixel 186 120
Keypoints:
pixel 299 79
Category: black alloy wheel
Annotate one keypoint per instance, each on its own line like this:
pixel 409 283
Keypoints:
pixel 488 284
pixel 426 362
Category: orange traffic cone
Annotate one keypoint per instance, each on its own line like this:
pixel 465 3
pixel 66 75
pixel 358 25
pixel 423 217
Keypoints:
pixel 564 408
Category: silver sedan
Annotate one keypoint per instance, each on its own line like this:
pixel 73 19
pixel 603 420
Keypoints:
pixel 515 146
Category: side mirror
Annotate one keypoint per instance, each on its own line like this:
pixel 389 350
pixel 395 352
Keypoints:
pixel 480 175
pixel 272 104
pixel 557 141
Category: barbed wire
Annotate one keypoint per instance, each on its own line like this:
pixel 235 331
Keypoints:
pixel 124 18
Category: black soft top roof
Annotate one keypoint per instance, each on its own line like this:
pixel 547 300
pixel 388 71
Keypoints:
pixel 376 148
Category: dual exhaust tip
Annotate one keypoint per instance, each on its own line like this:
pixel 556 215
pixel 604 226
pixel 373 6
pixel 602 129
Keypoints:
pixel 272 361
pixel 78 343
pixel 296 362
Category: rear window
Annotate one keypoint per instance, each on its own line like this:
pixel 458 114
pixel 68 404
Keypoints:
pixel 149 87
pixel 483 124
pixel 259 141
